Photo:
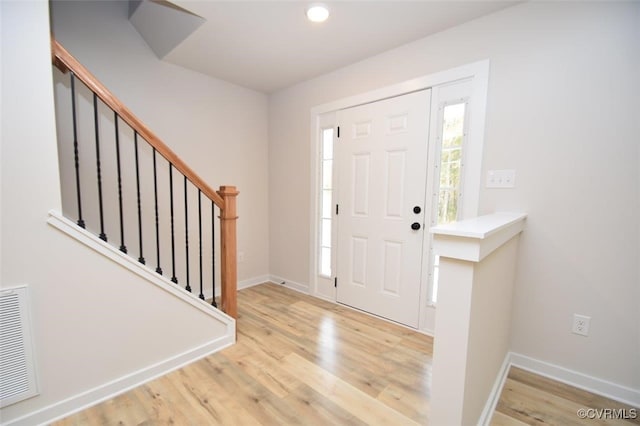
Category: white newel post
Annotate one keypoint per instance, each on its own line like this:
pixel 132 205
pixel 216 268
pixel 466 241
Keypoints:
pixel 477 271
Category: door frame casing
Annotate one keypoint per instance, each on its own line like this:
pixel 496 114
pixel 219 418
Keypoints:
pixel 478 73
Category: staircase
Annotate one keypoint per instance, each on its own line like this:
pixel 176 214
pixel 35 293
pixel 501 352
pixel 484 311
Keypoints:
pixel 120 182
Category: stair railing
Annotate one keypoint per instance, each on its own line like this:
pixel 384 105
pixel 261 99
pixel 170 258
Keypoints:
pixel 224 199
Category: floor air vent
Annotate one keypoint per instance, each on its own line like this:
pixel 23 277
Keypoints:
pixel 17 372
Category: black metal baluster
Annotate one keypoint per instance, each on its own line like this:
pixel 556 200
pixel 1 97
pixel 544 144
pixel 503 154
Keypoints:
pixel 135 144
pixel 173 241
pixel 76 156
pixel 186 233
pixel 155 194
pixel 103 236
pixel 123 247
pixel 213 254
pixel 201 296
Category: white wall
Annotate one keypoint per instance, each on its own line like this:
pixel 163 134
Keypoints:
pixel 562 111
pixel 217 128
pixel 93 322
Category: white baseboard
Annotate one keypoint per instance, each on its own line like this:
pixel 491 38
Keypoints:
pixel 580 380
pixel 253 281
pixel 106 391
pixel 302 288
pixel 323 297
pixel 494 396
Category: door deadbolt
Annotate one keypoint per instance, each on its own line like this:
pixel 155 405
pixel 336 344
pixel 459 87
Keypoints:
pixel 417 209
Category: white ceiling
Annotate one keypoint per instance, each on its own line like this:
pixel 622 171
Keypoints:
pixel 269 45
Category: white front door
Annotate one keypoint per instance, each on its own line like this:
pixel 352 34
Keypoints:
pixel 381 161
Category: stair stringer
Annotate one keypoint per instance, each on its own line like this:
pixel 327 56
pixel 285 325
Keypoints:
pixel 57 220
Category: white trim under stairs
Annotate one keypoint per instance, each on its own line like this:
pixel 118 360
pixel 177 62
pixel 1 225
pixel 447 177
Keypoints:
pixel 93 242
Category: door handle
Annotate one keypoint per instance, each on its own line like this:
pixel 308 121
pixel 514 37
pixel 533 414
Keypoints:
pixel 415 226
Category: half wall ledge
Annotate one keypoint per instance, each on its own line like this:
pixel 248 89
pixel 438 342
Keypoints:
pixel 477 268
pixel 474 239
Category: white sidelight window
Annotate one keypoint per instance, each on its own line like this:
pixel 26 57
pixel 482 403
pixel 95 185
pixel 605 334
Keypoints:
pixel 326 202
pixel 449 184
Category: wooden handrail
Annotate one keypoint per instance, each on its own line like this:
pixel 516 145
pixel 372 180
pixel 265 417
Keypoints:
pixel 64 61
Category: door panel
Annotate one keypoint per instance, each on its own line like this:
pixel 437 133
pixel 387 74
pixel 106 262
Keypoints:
pixel 381 161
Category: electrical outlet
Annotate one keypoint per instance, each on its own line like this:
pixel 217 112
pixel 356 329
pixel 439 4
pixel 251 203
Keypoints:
pixel 240 256
pixel 580 325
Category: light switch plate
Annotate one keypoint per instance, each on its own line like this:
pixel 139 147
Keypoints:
pixel 501 178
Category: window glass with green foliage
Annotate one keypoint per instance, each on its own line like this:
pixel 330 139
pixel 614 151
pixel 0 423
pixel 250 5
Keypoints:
pixel 450 163
pixel 449 183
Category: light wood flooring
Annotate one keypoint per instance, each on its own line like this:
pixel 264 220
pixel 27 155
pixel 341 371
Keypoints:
pixel 301 360
pixel 530 399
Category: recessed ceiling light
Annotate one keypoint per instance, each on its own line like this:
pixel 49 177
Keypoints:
pixel 317 13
